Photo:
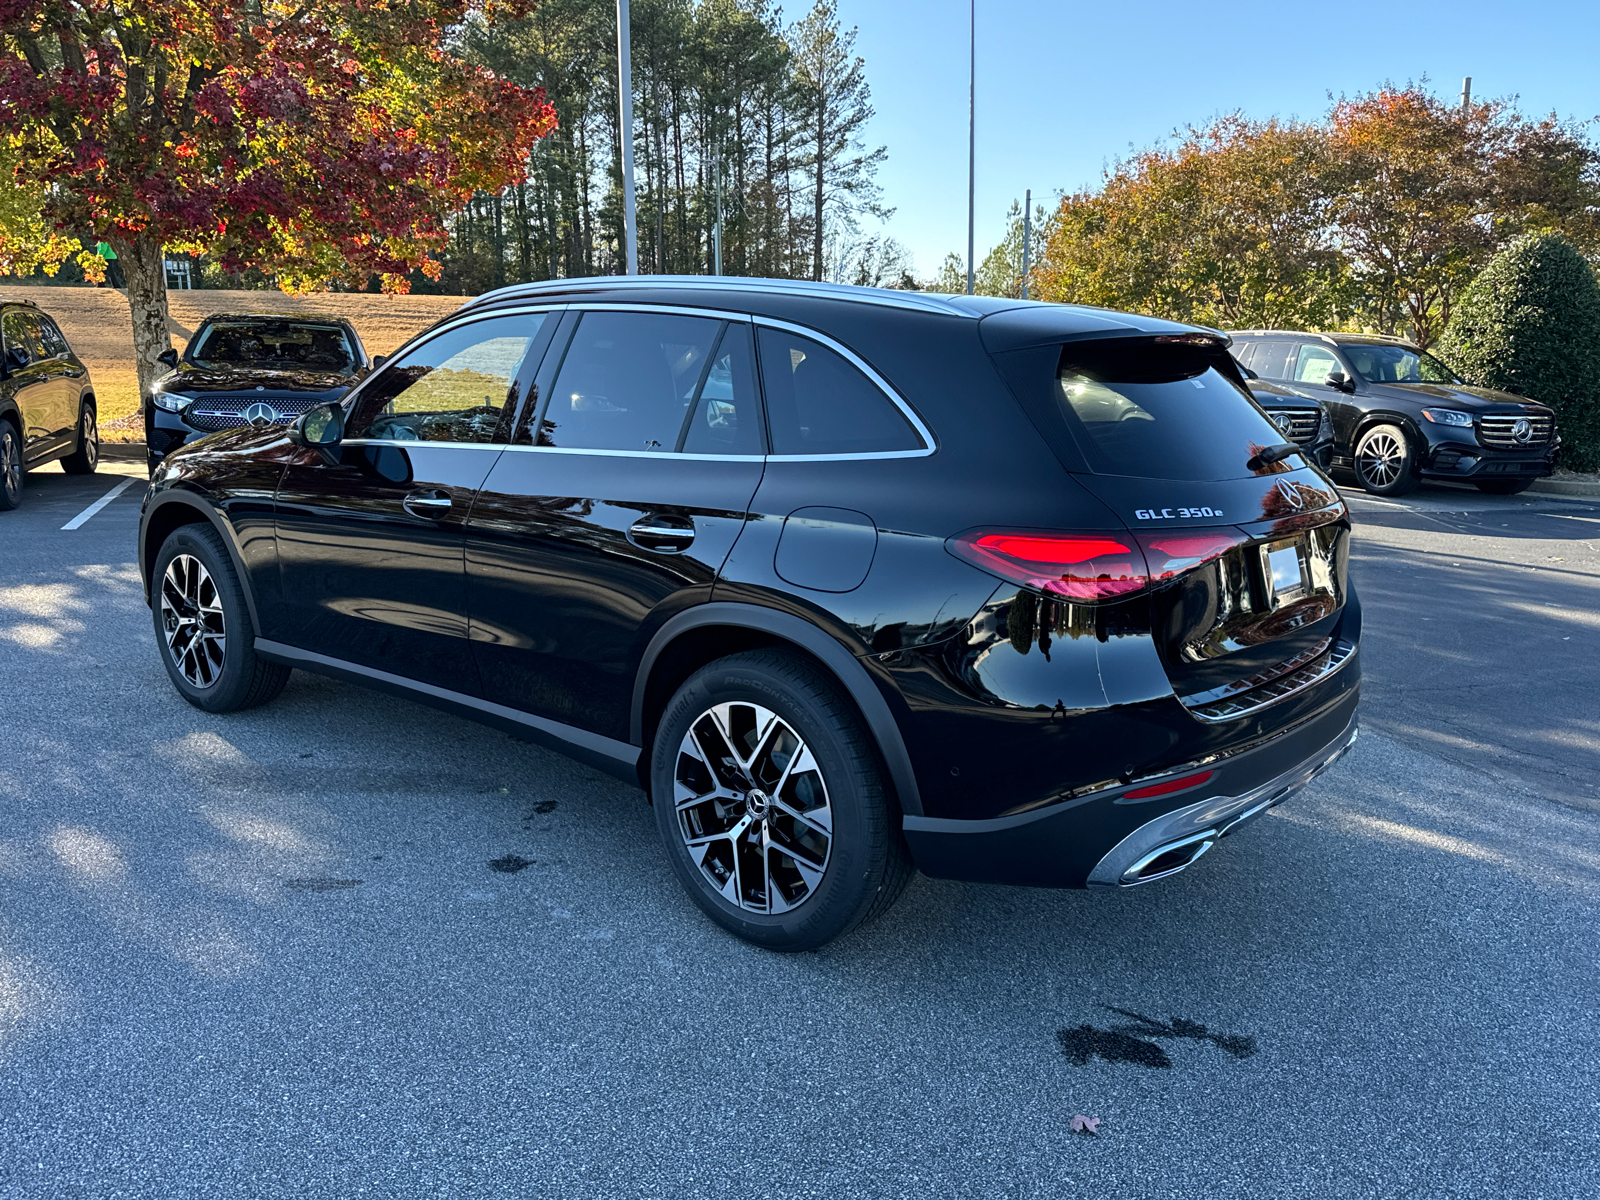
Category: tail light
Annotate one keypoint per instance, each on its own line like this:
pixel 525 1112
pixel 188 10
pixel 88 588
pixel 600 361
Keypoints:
pixel 1091 567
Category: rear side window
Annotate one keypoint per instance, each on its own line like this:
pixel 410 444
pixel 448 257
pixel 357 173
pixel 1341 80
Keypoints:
pixel 628 381
pixel 1271 359
pixel 818 402
pixel 726 419
pixel 1158 412
pixel 50 338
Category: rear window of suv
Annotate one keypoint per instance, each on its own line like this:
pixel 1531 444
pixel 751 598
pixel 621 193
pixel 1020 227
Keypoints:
pixel 1158 411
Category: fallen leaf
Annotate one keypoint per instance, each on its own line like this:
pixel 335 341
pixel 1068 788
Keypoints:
pixel 1083 1124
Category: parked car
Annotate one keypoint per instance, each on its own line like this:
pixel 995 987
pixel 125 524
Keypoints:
pixel 1401 416
pixel 47 405
pixel 1299 416
pixel 249 369
pixel 847 580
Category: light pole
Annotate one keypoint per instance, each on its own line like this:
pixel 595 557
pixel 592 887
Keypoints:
pixel 1027 239
pixel 972 140
pixel 625 92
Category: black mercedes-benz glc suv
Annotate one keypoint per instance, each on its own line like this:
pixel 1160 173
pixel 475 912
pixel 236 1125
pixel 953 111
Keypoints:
pixel 47 404
pixel 249 369
pixel 848 580
pixel 1400 415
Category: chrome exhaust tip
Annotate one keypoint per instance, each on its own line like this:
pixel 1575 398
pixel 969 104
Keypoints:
pixel 1168 859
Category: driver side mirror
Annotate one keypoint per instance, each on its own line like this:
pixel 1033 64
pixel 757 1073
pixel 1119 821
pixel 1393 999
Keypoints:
pixel 378 360
pixel 1340 382
pixel 17 358
pixel 1248 373
pixel 168 358
pixel 320 428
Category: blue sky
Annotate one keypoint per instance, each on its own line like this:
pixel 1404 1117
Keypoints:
pixel 1064 89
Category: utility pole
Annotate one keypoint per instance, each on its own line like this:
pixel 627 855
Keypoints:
pixel 716 224
pixel 1027 240
pixel 1466 94
pixel 972 141
pixel 625 92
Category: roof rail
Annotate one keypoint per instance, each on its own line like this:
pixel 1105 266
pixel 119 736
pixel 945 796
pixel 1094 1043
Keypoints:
pixel 887 297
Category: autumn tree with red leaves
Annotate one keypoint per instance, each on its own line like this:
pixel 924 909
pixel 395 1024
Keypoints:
pixel 320 141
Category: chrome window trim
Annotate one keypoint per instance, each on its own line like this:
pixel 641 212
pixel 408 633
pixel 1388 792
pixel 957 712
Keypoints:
pixel 929 443
pixel 676 310
pixel 496 446
pixel 665 454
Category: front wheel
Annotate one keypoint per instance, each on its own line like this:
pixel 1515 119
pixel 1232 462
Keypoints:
pixel 1384 461
pixel 10 465
pixel 203 625
pixel 1502 487
pixel 770 799
pixel 86 457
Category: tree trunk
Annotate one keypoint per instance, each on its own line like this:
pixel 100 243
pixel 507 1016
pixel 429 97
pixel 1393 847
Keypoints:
pixel 822 142
pixel 146 273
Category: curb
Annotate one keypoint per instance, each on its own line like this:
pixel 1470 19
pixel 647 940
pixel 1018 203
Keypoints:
pixel 1565 487
pixel 123 451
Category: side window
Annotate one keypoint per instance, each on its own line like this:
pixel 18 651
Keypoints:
pixel 1244 352
pixel 460 386
pixel 1271 360
pixel 14 332
pixel 726 419
pixel 628 381
pixel 1314 363
pixel 50 338
pixel 820 403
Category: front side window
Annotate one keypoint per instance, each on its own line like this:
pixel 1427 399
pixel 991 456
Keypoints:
pixel 628 381
pixel 274 345
pixel 1315 364
pixel 1397 364
pixel 818 402
pixel 15 330
pixel 459 386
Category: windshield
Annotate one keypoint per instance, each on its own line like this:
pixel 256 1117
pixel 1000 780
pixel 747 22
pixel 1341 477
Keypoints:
pixel 1159 412
pixel 1397 364
pixel 278 345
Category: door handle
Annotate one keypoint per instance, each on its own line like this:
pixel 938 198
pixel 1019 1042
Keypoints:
pixel 669 535
pixel 430 506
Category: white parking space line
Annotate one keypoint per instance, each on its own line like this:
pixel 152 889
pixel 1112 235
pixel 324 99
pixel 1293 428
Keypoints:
pixel 100 503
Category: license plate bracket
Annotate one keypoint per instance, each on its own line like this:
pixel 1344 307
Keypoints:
pixel 1285 572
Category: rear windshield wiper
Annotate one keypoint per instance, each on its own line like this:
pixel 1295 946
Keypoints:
pixel 1272 454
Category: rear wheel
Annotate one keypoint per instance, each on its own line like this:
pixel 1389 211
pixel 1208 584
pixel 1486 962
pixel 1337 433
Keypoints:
pixel 203 625
pixel 770 800
pixel 1384 461
pixel 10 465
pixel 1502 487
pixel 86 457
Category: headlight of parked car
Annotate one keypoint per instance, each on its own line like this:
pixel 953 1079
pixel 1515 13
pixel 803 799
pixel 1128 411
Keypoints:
pixel 1447 416
pixel 171 401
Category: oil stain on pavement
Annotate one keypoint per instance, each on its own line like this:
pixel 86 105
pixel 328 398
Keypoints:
pixel 1133 1043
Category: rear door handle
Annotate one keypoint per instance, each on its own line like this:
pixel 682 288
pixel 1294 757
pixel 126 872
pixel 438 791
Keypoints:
pixel 430 506
pixel 669 535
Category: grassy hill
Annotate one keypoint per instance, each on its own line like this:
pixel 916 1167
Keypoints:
pixel 96 323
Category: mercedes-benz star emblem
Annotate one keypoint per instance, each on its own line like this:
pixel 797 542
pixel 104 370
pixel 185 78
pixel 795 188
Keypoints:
pixel 1522 429
pixel 1283 421
pixel 1291 494
pixel 259 414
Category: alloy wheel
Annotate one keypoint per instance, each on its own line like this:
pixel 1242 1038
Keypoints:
pixel 753 808
pixel 10 465
pixel 1381 459
pixel 91 439
pixel 191 619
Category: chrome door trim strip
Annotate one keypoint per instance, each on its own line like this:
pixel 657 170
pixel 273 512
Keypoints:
pixel 618 752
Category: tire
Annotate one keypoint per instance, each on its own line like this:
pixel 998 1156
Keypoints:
pixel 1385 462
pixel 1502 487
pixel 10 466
pixel 86 457
pixel 783 724
pixel 211 661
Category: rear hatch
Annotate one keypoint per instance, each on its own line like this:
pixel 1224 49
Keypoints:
pixel 1245 542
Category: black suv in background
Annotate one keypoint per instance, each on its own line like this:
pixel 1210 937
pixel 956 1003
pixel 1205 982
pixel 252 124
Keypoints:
pixel 1299 416
pixel 1400 415
pixel 47 406
pixel 848 580
pixel 249 369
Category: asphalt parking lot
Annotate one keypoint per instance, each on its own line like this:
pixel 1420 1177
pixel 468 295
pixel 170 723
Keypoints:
pixel 266 955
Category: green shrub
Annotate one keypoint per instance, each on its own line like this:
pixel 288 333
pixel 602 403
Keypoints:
pixel 1530 324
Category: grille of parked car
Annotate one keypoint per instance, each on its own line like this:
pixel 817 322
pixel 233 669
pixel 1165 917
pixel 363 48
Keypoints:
pixel 213 413
pixel 1501 432
pixel 1299 425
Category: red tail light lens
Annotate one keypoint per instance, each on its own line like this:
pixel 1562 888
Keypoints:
pixel 1088 567
pixel 1170 786
pixel 1171 554
pixel 1078 566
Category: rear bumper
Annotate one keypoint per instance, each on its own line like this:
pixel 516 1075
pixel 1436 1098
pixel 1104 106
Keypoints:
pixel 1106 839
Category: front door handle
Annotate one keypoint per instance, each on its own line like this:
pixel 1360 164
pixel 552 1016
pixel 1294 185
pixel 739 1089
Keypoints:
pixel 669 535
pixel 430 506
